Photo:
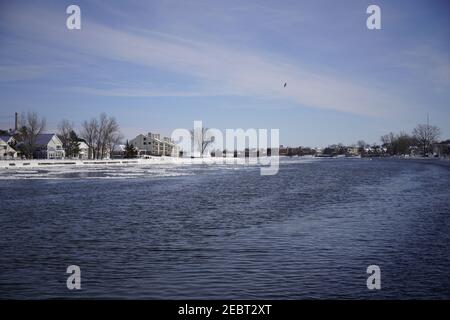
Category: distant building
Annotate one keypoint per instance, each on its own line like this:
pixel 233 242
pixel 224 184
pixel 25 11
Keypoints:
pixel 288 151
pixel 9 139
pixel 441 149
pixel 374 151
pixel 152 144
pixel 414 151
pixel 282 151
pixel 353 151
pixel 6 151
pixel 83 150
pixel 118 152
pixel 306 151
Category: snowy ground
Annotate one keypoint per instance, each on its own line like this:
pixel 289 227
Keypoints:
pixel 120 168
pixel 136 168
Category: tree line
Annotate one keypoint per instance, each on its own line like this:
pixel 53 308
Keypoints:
pixel 423 136
pixel 101 135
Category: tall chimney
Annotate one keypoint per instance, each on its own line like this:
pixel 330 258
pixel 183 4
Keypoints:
pixel 16 121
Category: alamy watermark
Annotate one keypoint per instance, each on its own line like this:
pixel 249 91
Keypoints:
pixel 74 19
pixel 239 146
pixel 373 22
pixel 374 280
pixel 74 280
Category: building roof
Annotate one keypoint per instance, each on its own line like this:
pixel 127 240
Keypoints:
pixel 119 148
pixel 5 137
pixel 43 139
pixel 8 148
pixel 82 145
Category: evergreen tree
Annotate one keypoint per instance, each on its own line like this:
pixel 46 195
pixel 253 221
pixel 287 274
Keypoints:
pixel 73 147
pixel 130 150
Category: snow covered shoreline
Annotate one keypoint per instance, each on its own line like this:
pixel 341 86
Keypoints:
pixel 44 163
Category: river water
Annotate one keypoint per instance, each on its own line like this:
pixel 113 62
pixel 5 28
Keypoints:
pixel 223 231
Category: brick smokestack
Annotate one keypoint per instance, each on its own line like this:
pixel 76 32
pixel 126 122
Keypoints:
pixel 16 121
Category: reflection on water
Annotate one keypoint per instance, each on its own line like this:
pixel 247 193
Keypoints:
pixel 226 231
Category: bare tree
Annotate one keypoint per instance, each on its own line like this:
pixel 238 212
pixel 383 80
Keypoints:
pixel 387 141
pixel 201 140
pixel 113 141
pixel 89 132
pixel 64 131
pixel 361 145
pixel 426 135
pixel 99 145
pixel 29 129
pixel 403 142
pixel 101 135
pixel 109 134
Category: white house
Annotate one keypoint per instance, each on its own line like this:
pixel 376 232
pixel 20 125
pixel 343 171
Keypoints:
pixel 84 150
pixel 6 151
pixel 119 151
pixel 48 146
pixel 152 144
pixel 9 139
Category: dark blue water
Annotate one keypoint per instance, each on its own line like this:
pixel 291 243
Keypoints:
pixel 227 232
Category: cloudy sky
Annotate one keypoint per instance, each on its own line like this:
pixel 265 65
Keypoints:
pixel 160 65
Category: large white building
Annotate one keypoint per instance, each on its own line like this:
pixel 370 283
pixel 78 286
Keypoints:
pixel 152 144
pixel 49 146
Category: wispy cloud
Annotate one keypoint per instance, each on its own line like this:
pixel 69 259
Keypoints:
pixel 426 62
pixel 217 69
pixel 138 92
pixel 203 57
pixel 20 72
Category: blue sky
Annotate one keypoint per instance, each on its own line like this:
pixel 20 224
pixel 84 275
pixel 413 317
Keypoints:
pixel 160 65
